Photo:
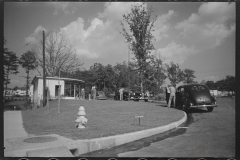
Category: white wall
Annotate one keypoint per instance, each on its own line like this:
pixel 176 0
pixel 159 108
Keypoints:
pixel 50 83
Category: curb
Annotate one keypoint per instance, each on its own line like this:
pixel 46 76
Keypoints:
pixel 78 147
pixel 86 146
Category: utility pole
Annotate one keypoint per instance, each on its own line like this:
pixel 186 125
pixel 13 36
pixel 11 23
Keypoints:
pixel 27 87
pixel 44 78
pixel 128 72
pixel 59 91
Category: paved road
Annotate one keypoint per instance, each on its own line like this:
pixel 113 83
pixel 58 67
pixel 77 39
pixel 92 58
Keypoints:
pixel 209 135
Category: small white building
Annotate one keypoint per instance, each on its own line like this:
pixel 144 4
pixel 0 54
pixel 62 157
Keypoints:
pixel 69 88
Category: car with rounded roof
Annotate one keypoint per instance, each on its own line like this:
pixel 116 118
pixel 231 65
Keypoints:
pixel 101 95
pixel 194 96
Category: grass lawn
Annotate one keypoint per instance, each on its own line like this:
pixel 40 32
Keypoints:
pixel 105 118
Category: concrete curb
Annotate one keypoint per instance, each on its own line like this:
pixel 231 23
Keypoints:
pixel 112 141
pixel 78 147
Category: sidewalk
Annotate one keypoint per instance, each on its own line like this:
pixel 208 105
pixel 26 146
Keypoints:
pixel 18 143
pixel 13 126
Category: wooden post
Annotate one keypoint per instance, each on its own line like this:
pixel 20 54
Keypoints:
pixel 48 98
pixel 138 119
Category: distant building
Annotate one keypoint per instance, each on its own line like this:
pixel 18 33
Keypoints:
pixel 69 88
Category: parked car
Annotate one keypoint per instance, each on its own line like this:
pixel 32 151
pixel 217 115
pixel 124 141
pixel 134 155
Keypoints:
pixel 194 96
pixel 101 95
pixel 137 95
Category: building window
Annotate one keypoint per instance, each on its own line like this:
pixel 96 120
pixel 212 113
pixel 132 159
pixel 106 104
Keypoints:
pixel 67 90
pixel 72 88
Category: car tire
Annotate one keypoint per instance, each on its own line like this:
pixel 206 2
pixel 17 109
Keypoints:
pixel 210 109
pixel 146 100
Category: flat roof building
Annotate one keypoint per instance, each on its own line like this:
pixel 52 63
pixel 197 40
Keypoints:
pixel 69 88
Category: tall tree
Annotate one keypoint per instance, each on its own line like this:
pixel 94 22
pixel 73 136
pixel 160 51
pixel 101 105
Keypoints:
pixel 10 63
pixel 59 55
pixel 155 74
pixel 28 62
pixel 140 23
pixel 188 76
pixel 174 73
pixel 230 83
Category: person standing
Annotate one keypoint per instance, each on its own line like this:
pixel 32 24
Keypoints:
pixel 83 94
pixel 147 93
pixel 172 96
pixel 167 93
pixel 91 97
pixel 121 94
pixel 94 93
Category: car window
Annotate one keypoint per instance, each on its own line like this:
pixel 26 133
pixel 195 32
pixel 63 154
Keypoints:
pixel 198 88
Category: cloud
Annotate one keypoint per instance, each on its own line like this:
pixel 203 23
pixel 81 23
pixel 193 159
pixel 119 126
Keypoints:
pixel 162 25
pixel 89 42
pixel 208 28
pixel 33 38
pixel 177 53
pixel 115 10
pixel 66 7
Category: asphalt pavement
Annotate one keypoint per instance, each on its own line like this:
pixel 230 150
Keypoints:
pixel 210 134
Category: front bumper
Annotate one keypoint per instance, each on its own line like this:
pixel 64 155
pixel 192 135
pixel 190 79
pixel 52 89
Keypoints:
pixel 203 105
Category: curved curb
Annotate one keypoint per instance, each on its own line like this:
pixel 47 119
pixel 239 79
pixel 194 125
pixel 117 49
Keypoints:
pixel 85 146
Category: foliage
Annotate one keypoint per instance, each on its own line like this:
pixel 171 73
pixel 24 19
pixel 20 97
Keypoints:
pixel 154 75
pixel 227 84
pixel 15 88
pixel 10 63
pixel 189 76
pixel 210 85
pixel 28 62
pixel 140 37
pixel 174 73
pixel 203 82
pixel 59 55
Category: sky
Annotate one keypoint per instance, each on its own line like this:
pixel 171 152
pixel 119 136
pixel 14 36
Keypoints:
pixel 196 35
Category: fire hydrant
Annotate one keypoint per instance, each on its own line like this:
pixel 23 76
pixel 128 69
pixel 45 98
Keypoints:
pixel 81 121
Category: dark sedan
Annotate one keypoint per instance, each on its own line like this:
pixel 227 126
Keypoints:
pixel 194 96
pixel 137 95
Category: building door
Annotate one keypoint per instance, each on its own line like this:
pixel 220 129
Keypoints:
pixel 56 90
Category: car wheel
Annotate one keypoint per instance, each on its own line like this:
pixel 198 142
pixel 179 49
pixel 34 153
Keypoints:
pixel 210 109
pixel 146 100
